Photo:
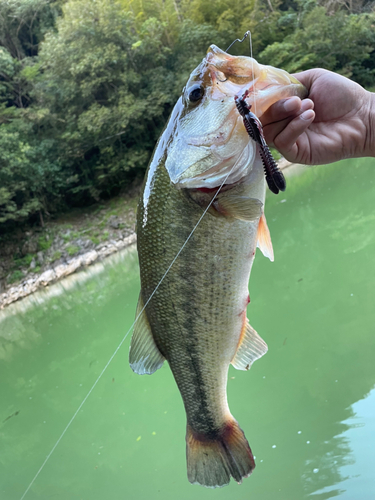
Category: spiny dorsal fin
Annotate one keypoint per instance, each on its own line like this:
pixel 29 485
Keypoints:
pixel 264 239
pixel 239 207
pixel 251 348
pixel 144 356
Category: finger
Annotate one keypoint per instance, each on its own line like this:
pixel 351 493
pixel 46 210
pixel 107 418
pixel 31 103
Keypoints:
pixel 287 138
pixel 308 77
pixel 281 109
pixel 274 129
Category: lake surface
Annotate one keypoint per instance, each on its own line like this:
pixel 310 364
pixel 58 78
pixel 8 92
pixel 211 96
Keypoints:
pixel 307 407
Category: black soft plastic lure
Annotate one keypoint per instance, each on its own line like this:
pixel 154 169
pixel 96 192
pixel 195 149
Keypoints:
pixel 274 177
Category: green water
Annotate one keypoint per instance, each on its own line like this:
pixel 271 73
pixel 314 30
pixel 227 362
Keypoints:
pixel 307 407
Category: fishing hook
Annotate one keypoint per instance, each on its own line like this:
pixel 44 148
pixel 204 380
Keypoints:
pixel 238 40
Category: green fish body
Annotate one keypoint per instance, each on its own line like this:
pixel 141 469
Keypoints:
pixel 195 314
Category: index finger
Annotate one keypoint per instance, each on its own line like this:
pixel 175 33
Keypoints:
pixel 281 110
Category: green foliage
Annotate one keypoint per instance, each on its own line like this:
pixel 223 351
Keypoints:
pixel 56 256
pixel 15 276
pixel 19 186
pixel 95 240
pixel 24 261
pixel 340 42
pixel 44 243
pixel 72 249
pixel 86 86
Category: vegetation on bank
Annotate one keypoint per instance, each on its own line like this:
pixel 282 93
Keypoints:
pixel 27 253
pixel 87 85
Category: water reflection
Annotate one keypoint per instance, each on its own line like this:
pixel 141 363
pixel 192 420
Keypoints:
pixel 300 405
pixel 357 477
pixel 93 287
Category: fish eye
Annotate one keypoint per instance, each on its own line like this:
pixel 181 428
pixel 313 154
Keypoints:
pixel 196 93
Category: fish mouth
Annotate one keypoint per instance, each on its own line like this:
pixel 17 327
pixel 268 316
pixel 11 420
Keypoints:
pixel 212 145
pixel 264 85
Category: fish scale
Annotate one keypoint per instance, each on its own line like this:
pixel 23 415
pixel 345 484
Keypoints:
pixel 196 245
pixel 196 328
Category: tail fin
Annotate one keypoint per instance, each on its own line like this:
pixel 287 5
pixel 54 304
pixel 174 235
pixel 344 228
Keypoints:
pixel 212 461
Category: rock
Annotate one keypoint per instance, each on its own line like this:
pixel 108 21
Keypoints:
pixel 89 257
pixel 46 278
pixel 87 244
pixel 60 270
pixel 130 239
pixel 125 233
pixel 73 265
pixel 40 257
pixel 30 246
pixel 114 222
pixel 120 244
pixel 79 242
pixel 33 264
pixel 107 251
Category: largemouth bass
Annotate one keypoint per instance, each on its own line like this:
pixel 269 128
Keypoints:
pixel 196 319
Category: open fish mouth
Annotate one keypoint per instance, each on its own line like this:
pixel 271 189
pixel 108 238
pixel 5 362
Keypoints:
pixel 210 141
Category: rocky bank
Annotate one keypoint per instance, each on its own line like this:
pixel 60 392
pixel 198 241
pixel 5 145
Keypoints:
pixel 34 257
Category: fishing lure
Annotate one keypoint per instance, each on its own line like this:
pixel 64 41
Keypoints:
pixel 274 177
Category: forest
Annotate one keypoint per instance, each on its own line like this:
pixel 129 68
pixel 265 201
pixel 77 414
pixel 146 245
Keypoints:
pixel 86 86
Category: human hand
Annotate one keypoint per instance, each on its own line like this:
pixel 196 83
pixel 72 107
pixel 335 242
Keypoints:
pixel 337 120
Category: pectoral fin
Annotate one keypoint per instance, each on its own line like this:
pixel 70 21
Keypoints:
pixel 250 348
pixel 239 207
pixel 144 356
pixel 264 239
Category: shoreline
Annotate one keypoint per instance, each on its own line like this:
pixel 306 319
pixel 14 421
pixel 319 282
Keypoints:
pixel 56 273
pixel 34 282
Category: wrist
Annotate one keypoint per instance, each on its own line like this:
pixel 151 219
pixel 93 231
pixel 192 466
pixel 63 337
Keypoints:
pixel 369 148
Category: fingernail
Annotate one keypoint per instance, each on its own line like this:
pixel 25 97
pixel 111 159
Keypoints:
pixel 306 104
pixel 308 115
pixel 291 105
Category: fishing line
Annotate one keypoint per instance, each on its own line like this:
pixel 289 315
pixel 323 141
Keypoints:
pixel 248 34
pixel 123 340
pixel 252 69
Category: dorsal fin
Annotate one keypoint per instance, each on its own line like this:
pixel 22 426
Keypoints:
pixel 250 348
pixel 144 356
pixel 264 239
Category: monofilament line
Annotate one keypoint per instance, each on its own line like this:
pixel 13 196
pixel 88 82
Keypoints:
pixel 123 340
pixel 248 34
pixel 252 69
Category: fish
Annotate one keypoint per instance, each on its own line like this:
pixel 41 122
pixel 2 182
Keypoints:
pixel 203 201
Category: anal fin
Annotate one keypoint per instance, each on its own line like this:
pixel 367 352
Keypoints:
pixel 144 356
pixel 250 348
